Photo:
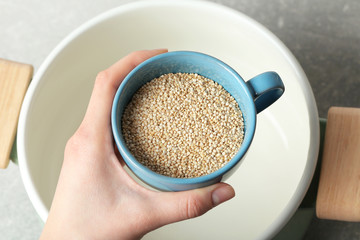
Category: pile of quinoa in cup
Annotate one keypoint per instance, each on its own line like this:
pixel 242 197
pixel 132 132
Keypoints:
pixel 183 125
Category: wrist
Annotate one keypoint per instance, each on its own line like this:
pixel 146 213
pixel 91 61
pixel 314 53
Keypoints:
pixel 56 228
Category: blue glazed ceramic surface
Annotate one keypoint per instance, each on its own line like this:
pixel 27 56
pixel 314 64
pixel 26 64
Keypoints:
pixel 252 96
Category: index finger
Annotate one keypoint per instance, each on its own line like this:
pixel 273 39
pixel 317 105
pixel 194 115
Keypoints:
pixel 106 84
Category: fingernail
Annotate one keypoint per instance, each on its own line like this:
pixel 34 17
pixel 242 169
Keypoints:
pixel 160 50
pixel 222 194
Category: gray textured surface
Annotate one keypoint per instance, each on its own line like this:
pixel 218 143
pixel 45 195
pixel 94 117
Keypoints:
pixel 323 35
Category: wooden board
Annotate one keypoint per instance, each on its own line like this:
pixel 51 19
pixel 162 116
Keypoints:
pixel 339 187
pixel 14 81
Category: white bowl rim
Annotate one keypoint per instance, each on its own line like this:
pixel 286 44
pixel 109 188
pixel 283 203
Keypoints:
pixel 305 181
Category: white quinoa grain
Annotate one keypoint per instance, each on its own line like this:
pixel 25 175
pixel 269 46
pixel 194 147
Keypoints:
pixel 183 125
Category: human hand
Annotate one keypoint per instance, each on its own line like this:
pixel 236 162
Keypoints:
pixel 95 198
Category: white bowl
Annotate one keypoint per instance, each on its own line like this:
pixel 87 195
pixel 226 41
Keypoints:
pixel 275 175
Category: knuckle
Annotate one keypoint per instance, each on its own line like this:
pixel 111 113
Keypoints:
pixel 193 208
pixel 76 142
pixel 102 76
pixel 72 145
pixel 105 82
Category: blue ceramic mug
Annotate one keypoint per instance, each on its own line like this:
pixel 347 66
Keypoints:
pixel 252 96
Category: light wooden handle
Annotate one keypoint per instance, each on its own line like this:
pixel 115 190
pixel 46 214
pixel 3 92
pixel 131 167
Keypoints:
pixel 339 187
pixel 14 81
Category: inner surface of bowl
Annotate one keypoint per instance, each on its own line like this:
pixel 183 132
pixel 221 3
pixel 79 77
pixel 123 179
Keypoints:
pixel 279 164
pixel 183 62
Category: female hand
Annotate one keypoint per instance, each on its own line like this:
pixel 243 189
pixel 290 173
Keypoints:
pixel 95 198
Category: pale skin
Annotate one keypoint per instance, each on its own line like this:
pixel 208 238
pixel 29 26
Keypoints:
pixel 95 198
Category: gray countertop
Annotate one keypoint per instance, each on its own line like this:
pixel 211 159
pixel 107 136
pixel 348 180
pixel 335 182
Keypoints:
pixel 323 35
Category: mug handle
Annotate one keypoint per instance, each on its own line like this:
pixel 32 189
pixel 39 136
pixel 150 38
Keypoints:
pixel 265 89
pixel 14 81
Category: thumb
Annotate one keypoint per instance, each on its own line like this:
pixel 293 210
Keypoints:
pixel 177 206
